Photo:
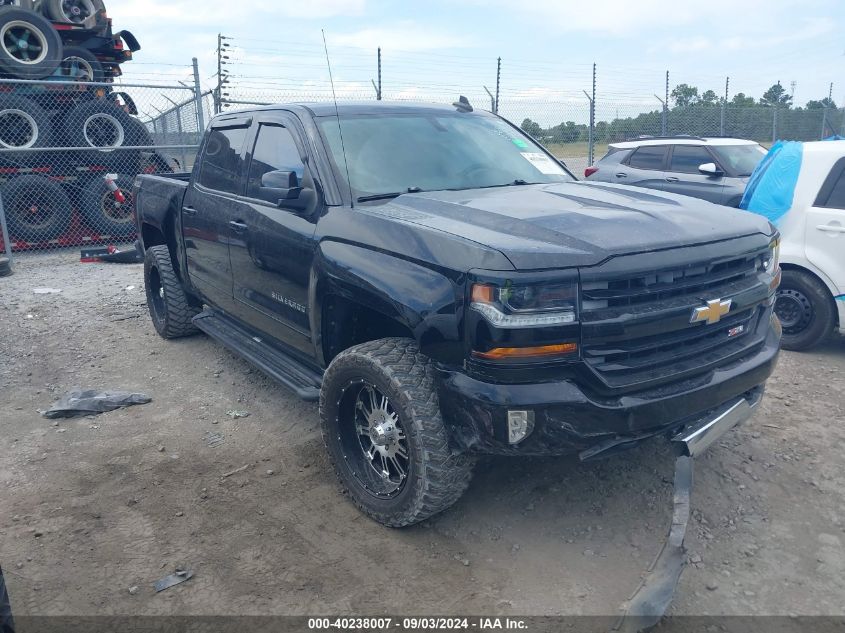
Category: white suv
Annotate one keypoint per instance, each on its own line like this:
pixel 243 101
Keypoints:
pixel 811 298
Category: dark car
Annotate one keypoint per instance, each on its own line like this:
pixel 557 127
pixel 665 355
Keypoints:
pixel 714 169
pixel 446 288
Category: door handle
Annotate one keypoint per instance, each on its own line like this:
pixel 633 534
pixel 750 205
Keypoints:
pixel 671 179
pixel 189 211
pixel 831 228
pixel 621 175
pixel 238 226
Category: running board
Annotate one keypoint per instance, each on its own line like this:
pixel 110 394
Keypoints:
pixel 281 367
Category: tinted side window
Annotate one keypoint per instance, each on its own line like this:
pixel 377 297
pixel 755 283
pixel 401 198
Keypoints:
pixel 687 158
pixel 836 199
pixel 648 157
pixel 222 159
pixel 275 150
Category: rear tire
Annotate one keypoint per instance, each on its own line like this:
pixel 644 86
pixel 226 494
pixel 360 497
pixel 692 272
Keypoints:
pixel 170 309
pixel 805 309
pixel 384 391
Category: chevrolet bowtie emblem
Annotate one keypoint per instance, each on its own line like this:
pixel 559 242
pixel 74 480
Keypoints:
pixel 712 312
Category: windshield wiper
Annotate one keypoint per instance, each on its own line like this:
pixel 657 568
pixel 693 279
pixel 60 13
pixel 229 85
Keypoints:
pixel 517 182
pixel 387 196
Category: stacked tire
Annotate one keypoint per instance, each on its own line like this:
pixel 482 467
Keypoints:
pixel 39 208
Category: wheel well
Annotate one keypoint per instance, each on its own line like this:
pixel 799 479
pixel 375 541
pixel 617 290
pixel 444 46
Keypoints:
pixel 809 272
pixel 346 323
pixel 151 236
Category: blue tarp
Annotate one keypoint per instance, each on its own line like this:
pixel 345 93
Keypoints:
pixel 770 189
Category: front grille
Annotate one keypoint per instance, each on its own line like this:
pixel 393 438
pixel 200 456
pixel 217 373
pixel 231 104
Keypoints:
pixel 636 327
pixel 659 285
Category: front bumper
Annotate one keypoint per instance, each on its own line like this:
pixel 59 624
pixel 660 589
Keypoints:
pixel 569 419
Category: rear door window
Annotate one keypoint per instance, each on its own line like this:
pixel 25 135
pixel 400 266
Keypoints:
pixel 648 157
pixel 832 193
pixel 687 158
pixel 222 160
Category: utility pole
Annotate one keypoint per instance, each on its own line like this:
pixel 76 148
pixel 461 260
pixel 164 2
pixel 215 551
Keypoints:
pixel 592 136
pixel 221 79
pixel 724 107
pixel 664 120
pixel 498 81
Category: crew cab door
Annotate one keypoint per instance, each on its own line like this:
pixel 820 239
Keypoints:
pixel 682 175
pixel 208 206
pixel 272 248
pixel 645 167
pixel 824 241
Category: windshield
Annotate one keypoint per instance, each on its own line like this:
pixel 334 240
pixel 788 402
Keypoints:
pixel 391 154
pixel 739 159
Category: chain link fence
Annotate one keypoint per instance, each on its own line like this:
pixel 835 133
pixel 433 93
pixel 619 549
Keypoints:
pixel 69 153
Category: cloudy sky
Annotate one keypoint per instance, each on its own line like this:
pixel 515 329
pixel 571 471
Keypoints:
pixel 438 49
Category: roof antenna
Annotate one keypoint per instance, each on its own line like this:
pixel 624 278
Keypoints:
pixel 462 104
pixel 337 114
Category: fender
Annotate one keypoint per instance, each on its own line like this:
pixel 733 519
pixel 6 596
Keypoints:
pixel 157 209
pixel 426 301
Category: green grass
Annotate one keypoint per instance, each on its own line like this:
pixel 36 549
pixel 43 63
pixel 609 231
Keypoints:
pixel 576 152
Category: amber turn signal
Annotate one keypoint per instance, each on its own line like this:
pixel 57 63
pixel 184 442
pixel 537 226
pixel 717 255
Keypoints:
pixel 502 353
pixel 482 293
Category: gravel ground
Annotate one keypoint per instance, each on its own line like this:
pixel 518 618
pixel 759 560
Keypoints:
pixel 94 510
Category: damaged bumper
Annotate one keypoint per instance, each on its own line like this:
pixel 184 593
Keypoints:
pixel 570 419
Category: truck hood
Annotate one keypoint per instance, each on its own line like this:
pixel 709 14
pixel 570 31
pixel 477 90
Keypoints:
pixel 573 224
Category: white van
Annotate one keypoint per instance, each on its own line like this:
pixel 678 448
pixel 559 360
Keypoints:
pixel 811 298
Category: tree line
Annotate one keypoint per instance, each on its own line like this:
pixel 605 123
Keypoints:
pixel 700 114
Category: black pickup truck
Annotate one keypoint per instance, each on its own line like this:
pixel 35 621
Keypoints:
pixel 445 288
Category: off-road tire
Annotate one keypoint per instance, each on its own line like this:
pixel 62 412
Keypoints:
pixel 437 477
pixel 801 287
pixel 170 309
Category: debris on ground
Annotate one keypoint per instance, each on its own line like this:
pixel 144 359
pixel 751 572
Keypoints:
pixel 46 291
pixel 180 576
pixel 88 401
pixel 5 267
pixel 214 439
pixel 112 254
pixel 235 414
pixel 234 472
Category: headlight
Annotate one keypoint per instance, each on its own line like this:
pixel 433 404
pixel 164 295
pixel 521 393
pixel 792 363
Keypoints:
pixel 771 261
pixel 529 305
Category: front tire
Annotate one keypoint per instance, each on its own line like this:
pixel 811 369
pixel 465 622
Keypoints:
pixel 169 306
pixel 805 310
pixel 382 426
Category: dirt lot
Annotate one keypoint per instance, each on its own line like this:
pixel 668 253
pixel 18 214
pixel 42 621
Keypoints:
pixel 92 507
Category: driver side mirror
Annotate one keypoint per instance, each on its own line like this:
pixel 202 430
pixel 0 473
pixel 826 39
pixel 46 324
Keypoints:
pixel 710 169
pixel 283 189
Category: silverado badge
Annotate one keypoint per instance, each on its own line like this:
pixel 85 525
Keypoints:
pixel 712 312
